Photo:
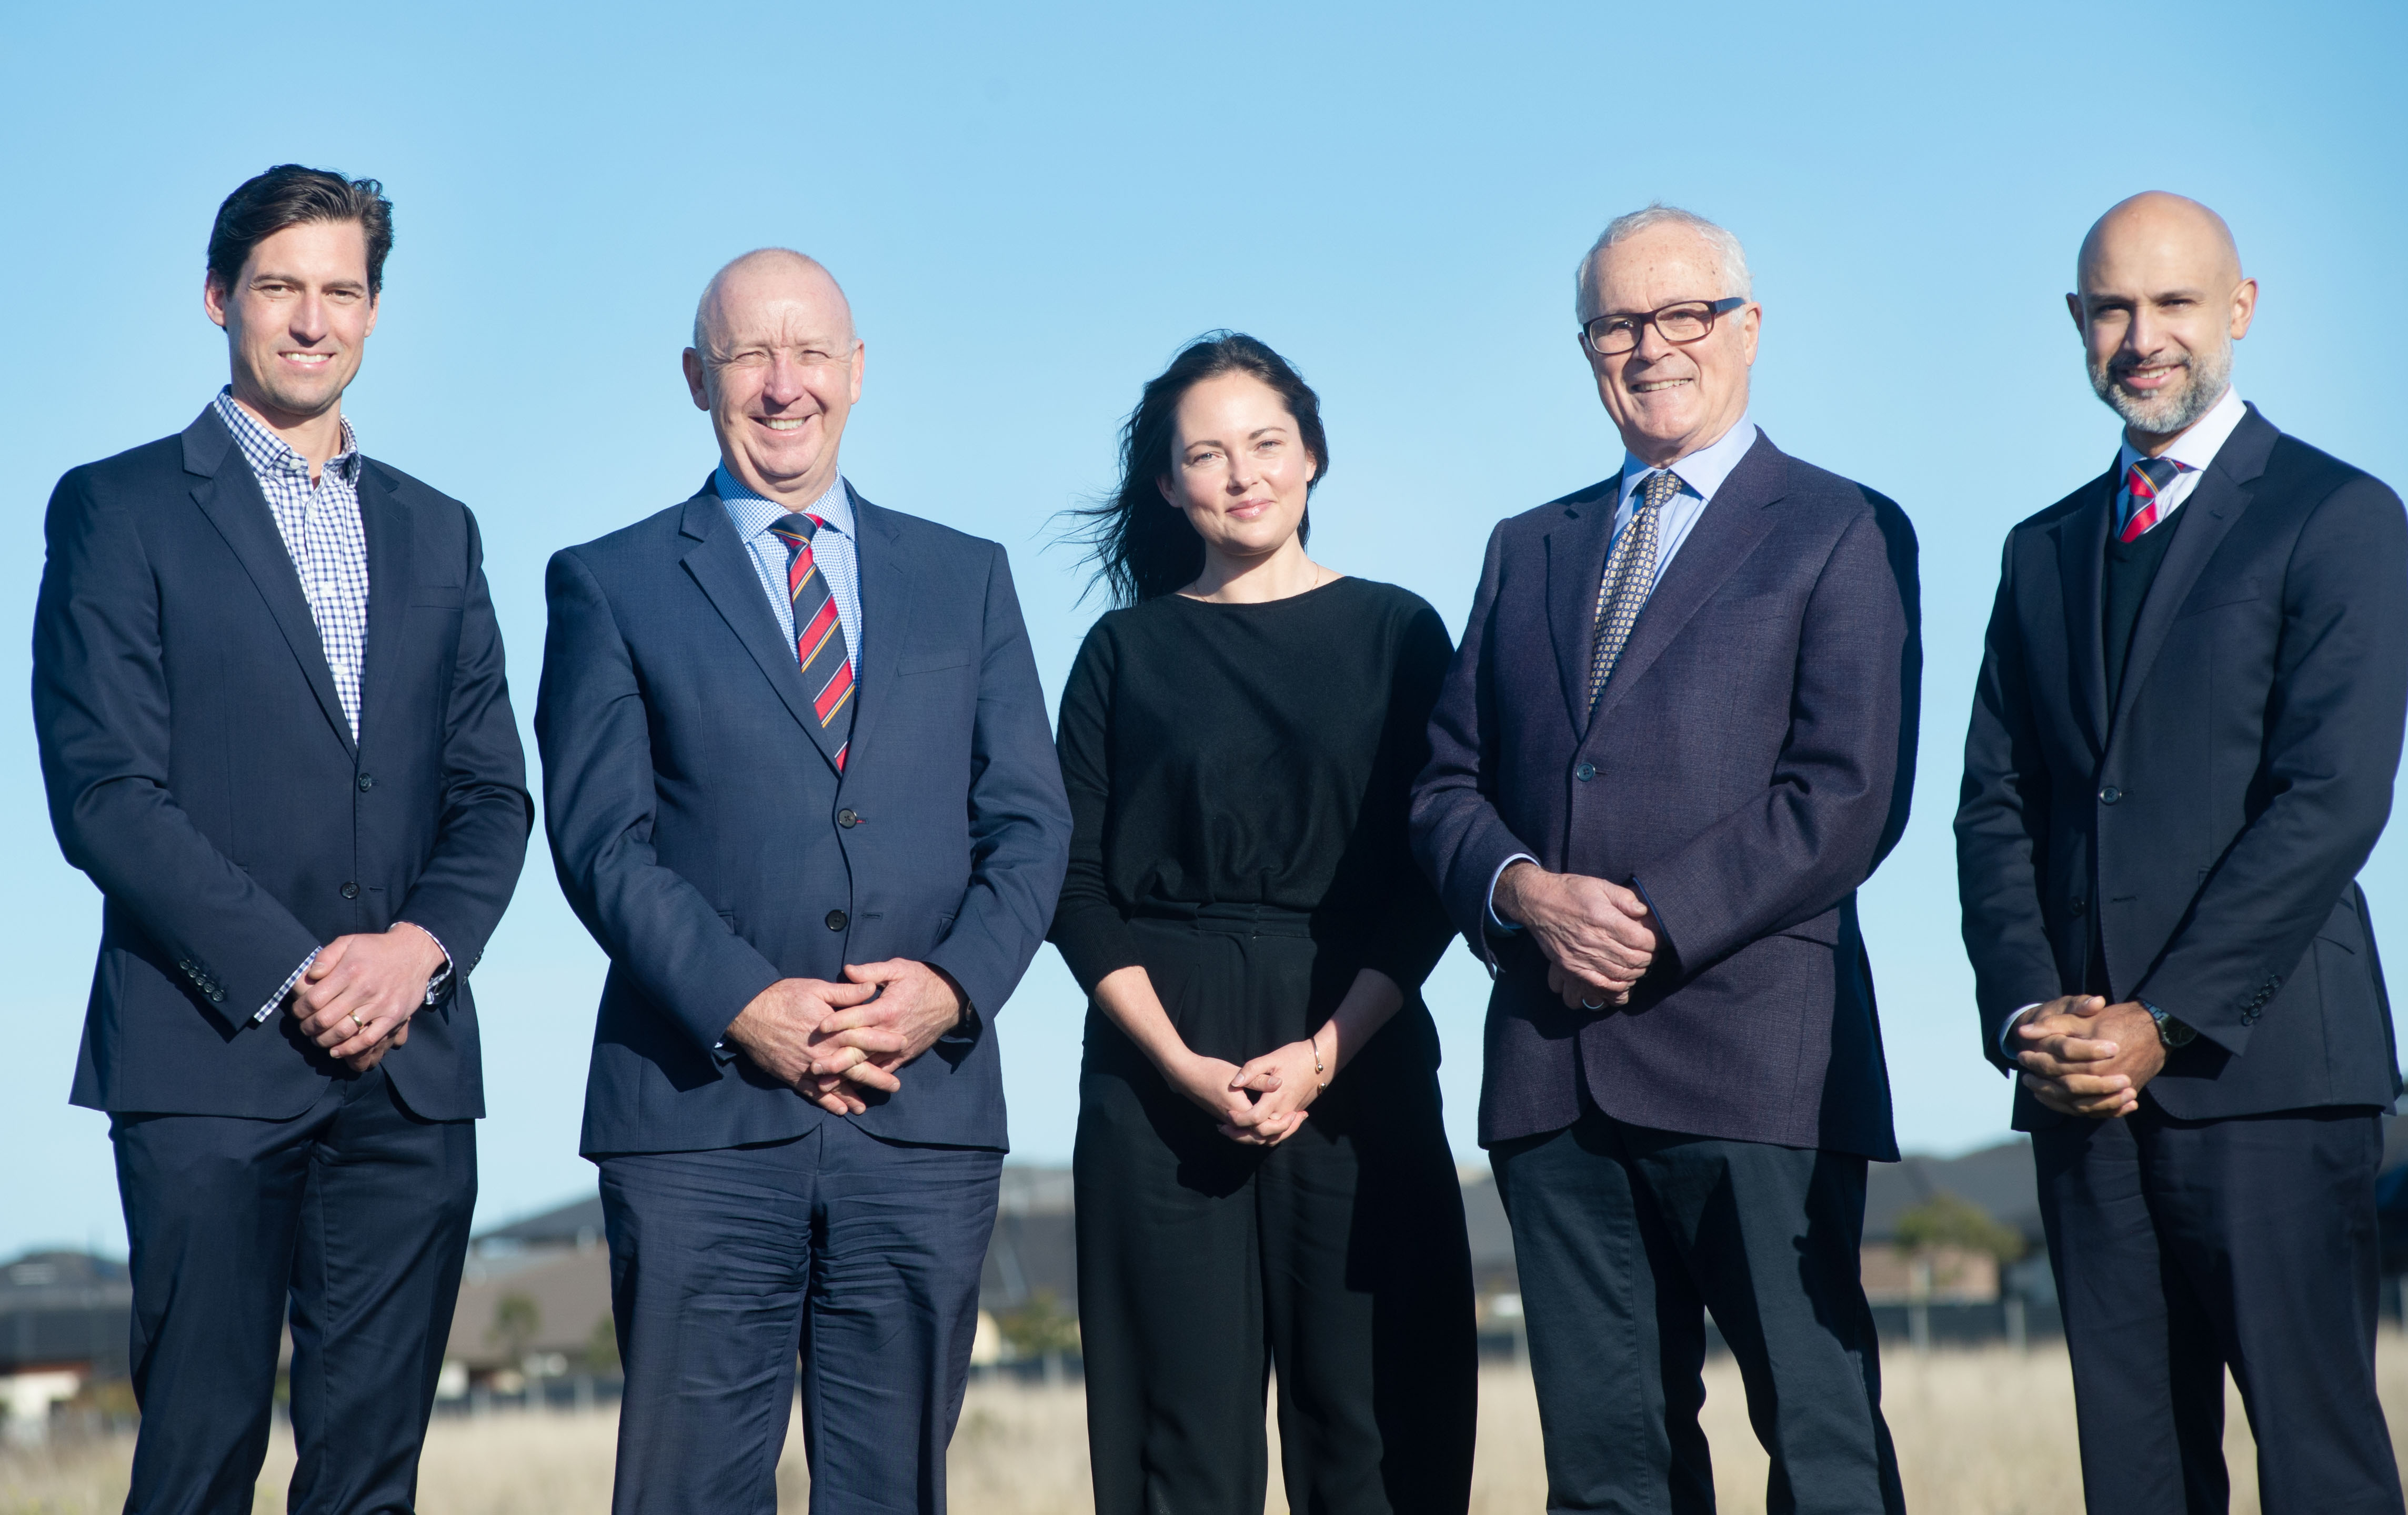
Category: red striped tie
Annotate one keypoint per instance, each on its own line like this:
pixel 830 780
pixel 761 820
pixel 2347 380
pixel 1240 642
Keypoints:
pixel 818 637
pixel 2143 483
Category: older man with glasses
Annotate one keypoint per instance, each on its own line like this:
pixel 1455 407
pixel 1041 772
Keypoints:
pixel 1679 732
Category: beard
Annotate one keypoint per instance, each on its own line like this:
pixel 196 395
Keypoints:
pixel 2176 408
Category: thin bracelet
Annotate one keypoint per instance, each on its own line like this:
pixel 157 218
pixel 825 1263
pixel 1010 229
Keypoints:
pixel 1318 1071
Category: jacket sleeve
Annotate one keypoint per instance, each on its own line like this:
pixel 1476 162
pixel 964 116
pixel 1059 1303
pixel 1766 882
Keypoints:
pixel 1839 794
pixel 2332 749
pixel 2002 820
pixel 1458 836
pixel 1020 822
pixel 101 719
pixel 480 844
pixel 599 803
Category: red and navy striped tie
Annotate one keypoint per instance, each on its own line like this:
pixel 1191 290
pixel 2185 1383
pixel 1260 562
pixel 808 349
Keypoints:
pixel 819 636
pixel 2144 482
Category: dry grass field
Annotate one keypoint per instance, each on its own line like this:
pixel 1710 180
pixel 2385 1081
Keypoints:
pixel 1979 1432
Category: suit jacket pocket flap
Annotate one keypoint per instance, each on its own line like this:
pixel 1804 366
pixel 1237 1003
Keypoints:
pixel 2226 591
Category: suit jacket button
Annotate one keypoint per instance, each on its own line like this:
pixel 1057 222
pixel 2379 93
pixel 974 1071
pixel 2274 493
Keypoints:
pixel 846 818
pixel 1586 772
pixel 351 890
pixel 2109 795
pixel 2077 905
pixel 368 782
pixel 835 921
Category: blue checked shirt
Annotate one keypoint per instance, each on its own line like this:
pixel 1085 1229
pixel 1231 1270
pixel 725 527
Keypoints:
pixel 319 523
pixel 833 550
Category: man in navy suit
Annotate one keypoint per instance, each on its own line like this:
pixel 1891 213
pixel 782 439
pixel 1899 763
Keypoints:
pixel 2181 751
pixel 274 730
pixel 800 786
pixel 1678 734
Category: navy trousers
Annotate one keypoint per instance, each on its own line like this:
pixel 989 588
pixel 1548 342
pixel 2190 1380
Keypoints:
pixel 859 1256
pixel 1624 1237
pixel 2182 1247
pixel 354 1217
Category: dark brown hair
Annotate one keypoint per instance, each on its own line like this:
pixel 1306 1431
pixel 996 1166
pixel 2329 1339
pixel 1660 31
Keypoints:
pixel 1142 549
pixel 289 194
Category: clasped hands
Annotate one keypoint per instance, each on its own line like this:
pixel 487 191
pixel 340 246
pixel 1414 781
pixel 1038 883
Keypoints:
pixel 828 1041
pixel 359 993
pixel 1598 938
pixel 2084 1056
pixel 1264 1102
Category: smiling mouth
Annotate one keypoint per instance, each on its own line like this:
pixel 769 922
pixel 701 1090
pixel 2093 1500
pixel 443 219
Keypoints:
pixel 2156 376
pixel 783 424
pixel 313 359
pixel 1653 385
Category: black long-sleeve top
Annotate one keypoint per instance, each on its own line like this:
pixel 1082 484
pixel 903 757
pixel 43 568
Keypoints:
pixel 1253 755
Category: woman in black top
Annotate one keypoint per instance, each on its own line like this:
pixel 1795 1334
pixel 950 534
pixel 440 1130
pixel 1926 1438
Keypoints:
pixel 1260 1167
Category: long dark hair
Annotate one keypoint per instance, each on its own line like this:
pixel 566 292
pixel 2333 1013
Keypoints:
pixel 1141 547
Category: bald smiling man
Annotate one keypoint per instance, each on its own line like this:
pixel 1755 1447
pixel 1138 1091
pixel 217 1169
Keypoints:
pixel 2181 751
pixel 799 785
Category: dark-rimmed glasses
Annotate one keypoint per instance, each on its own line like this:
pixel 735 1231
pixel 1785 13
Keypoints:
pixel 1679 324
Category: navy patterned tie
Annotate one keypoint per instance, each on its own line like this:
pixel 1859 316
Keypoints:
pixel 1629 578
pixel 819 647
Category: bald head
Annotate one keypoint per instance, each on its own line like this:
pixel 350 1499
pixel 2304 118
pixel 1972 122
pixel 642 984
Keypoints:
pixel 2166 230
pixel 2159 299
pixel 769 275
pixel 776 363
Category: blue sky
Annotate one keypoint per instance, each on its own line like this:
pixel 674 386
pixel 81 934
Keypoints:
pixel 1033 207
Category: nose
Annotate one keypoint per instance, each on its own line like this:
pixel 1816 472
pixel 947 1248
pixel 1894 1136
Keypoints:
pixel 1243 473
pixel 309 317
pixel 1650 345
pixel 784 384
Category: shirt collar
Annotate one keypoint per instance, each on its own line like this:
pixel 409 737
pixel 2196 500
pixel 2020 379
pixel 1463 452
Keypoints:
pixel 267 453
pixel 753 513
pixel 1702 472
pixel 2195 448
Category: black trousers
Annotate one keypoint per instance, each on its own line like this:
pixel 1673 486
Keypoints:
pixel 2182 1247
pixel 1336 1258
pixel 1624 1237
pixel 858 1255
pixel 355 1216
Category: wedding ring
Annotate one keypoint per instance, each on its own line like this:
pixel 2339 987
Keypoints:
pixel 357 1022
pixel 1591 1005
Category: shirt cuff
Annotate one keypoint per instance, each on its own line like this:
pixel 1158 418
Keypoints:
pixel 439 983
pixel 1495 922
pixel 2006 1048
pixel 277 998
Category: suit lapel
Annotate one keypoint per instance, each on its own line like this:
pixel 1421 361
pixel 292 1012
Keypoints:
pixel 2082 575
pixel 886 594
pixel 2223 491
pixel 1576 550
pixel 391 571
pixel 1733 523
pixel 230 497
pixel 723 569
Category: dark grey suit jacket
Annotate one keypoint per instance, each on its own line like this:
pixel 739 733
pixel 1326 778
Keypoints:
pixel 1747 766
pixel 700 827
pixel 2211 827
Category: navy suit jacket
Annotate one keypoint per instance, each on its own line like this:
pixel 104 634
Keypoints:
pixel 695 810
pixel 2210 828
pixel 200 770
pixel 1749 762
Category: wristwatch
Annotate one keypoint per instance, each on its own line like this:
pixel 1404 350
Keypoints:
pixel 2172 1032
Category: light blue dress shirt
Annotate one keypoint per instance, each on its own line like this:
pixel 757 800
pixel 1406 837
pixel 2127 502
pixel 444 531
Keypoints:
pixel 1701 473
pixel 834 549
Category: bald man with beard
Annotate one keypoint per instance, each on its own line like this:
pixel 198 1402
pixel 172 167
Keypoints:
pixel 2181 750
pixel 799 785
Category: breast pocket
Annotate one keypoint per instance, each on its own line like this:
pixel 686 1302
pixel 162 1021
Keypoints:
pixel 2216 596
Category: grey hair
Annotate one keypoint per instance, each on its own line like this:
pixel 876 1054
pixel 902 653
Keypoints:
pixel 1622 228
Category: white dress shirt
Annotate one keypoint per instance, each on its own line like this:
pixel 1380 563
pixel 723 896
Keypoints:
pixel 2191 453
pixel 1701 473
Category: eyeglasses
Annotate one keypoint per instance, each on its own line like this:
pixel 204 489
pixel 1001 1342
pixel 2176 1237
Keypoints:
pixel 1679 324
